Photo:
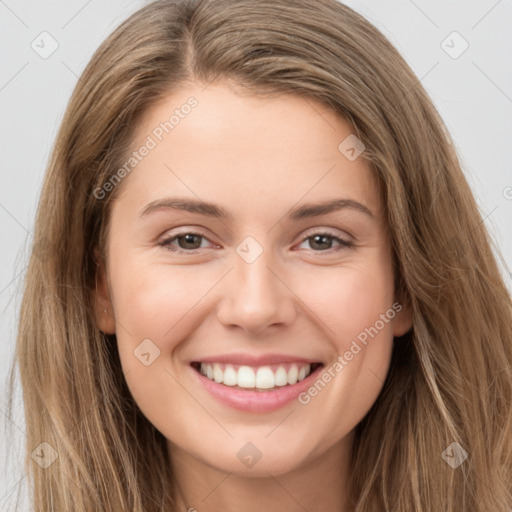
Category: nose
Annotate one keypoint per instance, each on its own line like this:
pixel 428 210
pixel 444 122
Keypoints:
pixel 256 296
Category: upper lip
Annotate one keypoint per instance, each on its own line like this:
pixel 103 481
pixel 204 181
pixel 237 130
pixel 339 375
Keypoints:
pixel 251 360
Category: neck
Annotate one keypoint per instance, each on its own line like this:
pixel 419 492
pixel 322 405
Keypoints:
pixel 320 482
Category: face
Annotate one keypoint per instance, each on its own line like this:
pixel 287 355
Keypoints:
pixel 285 306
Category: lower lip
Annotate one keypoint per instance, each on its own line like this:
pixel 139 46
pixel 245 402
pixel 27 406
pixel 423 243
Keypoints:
pixel 256 401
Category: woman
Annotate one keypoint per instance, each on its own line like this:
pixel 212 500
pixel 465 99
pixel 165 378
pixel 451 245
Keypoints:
pixel 260 369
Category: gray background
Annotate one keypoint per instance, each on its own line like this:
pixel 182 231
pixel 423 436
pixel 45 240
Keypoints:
pixel 473 93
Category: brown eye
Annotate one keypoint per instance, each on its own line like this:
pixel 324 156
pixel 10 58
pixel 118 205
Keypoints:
pixel 322 242
pixel 186 242
pixel 189 241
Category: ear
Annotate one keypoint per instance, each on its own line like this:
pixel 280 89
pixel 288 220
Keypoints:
pixel 402 322
pixel 103 305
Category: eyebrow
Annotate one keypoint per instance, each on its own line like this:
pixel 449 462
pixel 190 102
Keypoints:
pixel 213 210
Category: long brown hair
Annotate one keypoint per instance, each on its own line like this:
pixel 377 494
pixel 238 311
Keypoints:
pixel 450 379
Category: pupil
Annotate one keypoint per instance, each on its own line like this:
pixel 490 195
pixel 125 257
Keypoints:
pixel 189 239
pixel 323 238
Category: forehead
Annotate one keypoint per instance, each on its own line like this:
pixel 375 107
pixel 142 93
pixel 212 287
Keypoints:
pixel 221 141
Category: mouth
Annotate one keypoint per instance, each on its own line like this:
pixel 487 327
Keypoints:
pixel 263 378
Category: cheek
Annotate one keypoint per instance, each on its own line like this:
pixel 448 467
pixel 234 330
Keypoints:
pixel 356 310
pixel 366 330
pixel 348 299
pixel 351 382
pixel 158 301
pixel 369 295
pixel 156 308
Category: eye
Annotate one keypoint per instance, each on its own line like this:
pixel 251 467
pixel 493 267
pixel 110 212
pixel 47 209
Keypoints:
pixel 323 241
pixel 187 242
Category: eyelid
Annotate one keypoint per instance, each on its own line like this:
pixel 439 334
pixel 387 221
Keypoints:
pixel 337 233
pixel 309 232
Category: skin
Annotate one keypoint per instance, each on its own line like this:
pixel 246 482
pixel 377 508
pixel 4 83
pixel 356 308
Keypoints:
pixel 257 157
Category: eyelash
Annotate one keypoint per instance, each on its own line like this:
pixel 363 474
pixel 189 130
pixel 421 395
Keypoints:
pixel 344 244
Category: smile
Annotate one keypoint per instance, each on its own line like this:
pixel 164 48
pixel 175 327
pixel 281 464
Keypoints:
pixel 255 388
pixel 250 377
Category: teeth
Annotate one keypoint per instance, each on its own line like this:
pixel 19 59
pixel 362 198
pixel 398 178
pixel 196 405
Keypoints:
pixel 218 376
pixel 230 376
pixel 281 377
pixel 246 377
pixel 293 373
pixel 263 377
